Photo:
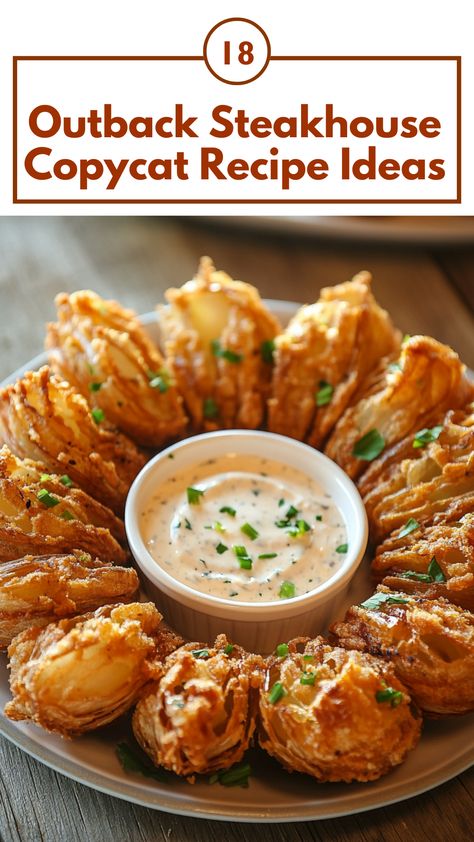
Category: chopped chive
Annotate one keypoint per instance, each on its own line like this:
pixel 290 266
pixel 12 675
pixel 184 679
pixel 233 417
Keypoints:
pixel 194 495
pixel 378 599
pixel 276 693
pixel 388 694
pixel 131 762
pixel 308 657
pixel 200 653
pixel 224 353
pixel 410 526
pixel 318 517
pixel 282 650
pixel 287 590
pixel 248 530
pixel 45 478
pixel 218 526
pixel 97 414
pixel 267 555
pixel 308 678
pixel 406 338
pixel 210 409
pixel 342 548
pixel 187 523
pixel 291 513
pixel 426 435
pixel 369 446
pixel 95 387
pixel 228 649
pixel 47 499
pixel 434 570
pixel 281 502
pixel 243 557
pixel 267 349
pixel 228 510
pixel 324 395
pixel 66 515
pixel 221 548
pixel 67 481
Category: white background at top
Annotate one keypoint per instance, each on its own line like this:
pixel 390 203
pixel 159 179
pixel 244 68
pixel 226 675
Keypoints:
pixel 142 27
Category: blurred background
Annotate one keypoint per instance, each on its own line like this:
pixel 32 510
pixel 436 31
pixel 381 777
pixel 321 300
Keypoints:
pixel 423 267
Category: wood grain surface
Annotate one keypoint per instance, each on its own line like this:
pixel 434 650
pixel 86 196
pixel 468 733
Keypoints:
pixel 427 290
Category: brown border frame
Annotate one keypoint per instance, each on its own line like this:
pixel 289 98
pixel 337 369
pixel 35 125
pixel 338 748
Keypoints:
pixel 457 200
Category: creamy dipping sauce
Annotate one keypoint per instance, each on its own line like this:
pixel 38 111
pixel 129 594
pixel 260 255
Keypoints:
pixel 245 528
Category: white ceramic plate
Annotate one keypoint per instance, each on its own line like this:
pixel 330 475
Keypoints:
pixel 445 750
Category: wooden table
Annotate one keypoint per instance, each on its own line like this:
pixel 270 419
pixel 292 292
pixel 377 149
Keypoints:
pixel 426 290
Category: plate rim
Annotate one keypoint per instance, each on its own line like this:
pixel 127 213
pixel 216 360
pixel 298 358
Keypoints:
pixel 132 792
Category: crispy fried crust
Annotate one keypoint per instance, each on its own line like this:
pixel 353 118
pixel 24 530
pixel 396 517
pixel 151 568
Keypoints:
pixel 432 484
pixel 335 729
pixel 76 521
pixel 430 380
pixel 79 674
pixel 44 418
pixel 105 353
pixel 218 392
pixel 429 642
pixel 336 341
pixel 36 590
pixel 402 561
pixel 200 716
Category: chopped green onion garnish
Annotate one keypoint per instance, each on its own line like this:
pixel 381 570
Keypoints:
pixel 187 523
pixel 324 395
pixel 369 446
pixel 267 555
pixel 221 548
pixel 47 499
pixel 301 527
pixel 209 408
pixel 228 510
pixel 426 435
pixel 282 650
pixel 388 694
pixel 97 414
pixel 218 526
pixel 248 530
pixel 67 481
pixel 200 653
pixel 66 515
pixel 223 353
pixel 159 379
pixel 281 502
pixel 292 512
pixel 377 599
pixel 308 678
pixel 287 590
pixel 434 570
pixel 267 349
pixel 410 526
pixel 228 649
pixel 318 517
pixel 194 495
pixel 45 478
pixel 95 387
pixel 342 548
pixel 276 693
pixel 245 561
pixel 406 339
pixel 308 657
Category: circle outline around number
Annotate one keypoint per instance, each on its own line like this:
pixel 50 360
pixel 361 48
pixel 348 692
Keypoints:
pixel 239 20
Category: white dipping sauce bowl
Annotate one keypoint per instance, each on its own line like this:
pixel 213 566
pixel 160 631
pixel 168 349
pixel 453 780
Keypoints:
pixel 258 626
